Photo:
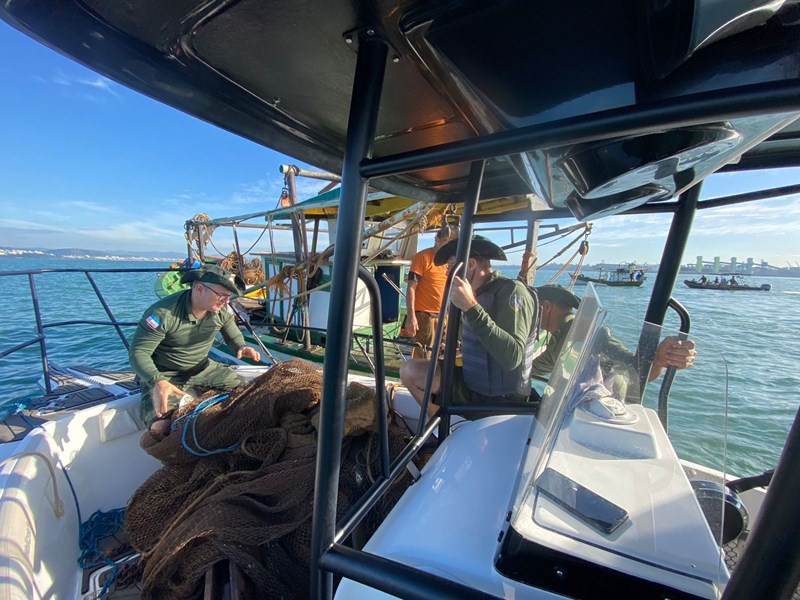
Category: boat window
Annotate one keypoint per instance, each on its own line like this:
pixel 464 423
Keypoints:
pixel 602 469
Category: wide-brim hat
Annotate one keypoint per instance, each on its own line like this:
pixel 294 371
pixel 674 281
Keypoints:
pixel 480 246
pixel 557 295
pixel 218 275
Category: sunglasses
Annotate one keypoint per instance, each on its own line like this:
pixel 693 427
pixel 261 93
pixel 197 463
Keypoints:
pixel 222 297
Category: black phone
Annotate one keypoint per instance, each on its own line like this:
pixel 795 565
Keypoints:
pixel 589 507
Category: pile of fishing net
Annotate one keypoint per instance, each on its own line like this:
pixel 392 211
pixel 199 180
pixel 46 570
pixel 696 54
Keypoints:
pixel 252 271
pixel 238 482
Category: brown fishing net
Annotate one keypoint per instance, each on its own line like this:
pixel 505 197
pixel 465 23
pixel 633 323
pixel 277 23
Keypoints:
pixel 252 271
pixel 251 505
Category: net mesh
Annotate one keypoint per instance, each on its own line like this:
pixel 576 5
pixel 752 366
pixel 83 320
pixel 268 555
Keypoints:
pixel 252 505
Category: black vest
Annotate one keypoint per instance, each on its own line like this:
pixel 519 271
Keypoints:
pixel 482 373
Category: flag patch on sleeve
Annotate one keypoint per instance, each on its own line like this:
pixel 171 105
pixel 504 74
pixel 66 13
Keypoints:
pixel 515 302
pixel 152 322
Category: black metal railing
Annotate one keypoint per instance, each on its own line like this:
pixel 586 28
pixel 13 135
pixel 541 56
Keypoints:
pixel 41 325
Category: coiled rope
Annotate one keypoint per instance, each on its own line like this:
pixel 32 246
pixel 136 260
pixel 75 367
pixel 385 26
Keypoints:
pixel 191 423
pixel 98 527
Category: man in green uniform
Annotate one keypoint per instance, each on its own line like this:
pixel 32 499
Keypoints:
pixel 557 317
pixel 497 332
pixel 171 344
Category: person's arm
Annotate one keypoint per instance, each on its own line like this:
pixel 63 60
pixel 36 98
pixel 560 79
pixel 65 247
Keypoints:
pixel 416 271
pixel 505 336
pixel 234 339
pixel 230 331
pixel 411 296
pixel 672 352
pixel 149 334
pixel 544 363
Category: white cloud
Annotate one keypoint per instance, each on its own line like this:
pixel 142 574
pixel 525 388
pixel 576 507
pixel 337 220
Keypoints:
pixel 89 206
pixel 100 84
pixel 29 225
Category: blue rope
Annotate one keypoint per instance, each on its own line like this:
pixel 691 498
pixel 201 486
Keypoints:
pixel 98 527
pixel 191 422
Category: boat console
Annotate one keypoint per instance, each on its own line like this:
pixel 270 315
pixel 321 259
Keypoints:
pixel 587 500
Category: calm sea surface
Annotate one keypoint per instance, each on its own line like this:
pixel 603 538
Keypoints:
pixel 738 423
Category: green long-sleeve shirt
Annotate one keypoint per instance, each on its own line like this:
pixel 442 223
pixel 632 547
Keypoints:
pixel 505 333
pixel 613 350
pixel 171 337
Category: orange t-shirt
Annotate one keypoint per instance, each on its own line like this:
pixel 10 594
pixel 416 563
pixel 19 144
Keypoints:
pixel 432 279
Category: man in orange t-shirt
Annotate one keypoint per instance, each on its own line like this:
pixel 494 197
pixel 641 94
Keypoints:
pixel 425 290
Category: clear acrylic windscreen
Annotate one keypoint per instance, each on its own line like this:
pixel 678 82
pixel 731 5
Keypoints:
pixel 624 457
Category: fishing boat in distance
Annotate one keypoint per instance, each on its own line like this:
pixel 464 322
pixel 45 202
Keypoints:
pixel 731 282
pixel 580 495
pixel 626 275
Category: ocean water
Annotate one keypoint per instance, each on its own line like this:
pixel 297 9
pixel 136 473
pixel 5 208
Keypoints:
pixel 737 422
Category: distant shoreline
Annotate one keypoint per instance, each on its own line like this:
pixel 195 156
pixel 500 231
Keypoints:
pixel 7 254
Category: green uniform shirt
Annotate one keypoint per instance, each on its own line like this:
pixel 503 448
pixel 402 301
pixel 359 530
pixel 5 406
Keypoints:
pixel 171 338
pixel 613 350
pixel 504 334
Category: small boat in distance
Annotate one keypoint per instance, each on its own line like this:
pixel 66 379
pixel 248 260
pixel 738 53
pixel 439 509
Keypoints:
pixel 626 275
pixel 736 282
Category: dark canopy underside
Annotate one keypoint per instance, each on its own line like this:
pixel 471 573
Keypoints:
pixel 620 106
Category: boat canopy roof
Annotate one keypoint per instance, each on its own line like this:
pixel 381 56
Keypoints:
pixel 383 205
pixel 592 111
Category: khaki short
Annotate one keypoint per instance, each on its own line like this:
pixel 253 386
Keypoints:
pixel 461 394
pixel 426 333
pixel 215 376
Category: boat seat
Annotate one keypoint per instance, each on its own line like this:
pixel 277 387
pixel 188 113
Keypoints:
pixel 15 427
pixel 38 524
pixel 82 397
pixel 129 385
pixel 113 375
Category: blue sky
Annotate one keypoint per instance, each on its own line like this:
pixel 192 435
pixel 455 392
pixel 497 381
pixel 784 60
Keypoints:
pixel 87 163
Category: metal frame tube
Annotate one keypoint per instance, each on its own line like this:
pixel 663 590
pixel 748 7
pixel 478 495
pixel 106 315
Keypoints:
pixel 667 275
pixel 370 498
pixel 108 311
pixel 284 169
pixel 669 374
pixel 623 122
pixel 770 565
pixel 367 87
pixel 454 318
pixel 40 331
pixel 380 372
pixel 396 578
pixel 437 340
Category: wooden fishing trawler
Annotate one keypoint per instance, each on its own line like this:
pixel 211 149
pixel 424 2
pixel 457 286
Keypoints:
pixel 284 313
pixel 578 496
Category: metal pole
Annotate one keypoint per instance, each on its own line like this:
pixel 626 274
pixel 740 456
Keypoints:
pixel 669 375
pixel 300 253
pixel 770 565
pixel 665 279
pixel 365 103
pixel 380 366
pixel 189 249
pixel 40 330
pixel 108 310
pixel 201 250
pixel 239 257
pixel 454 318
pixel 624 122
pixel 530 256
pixel 307 173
